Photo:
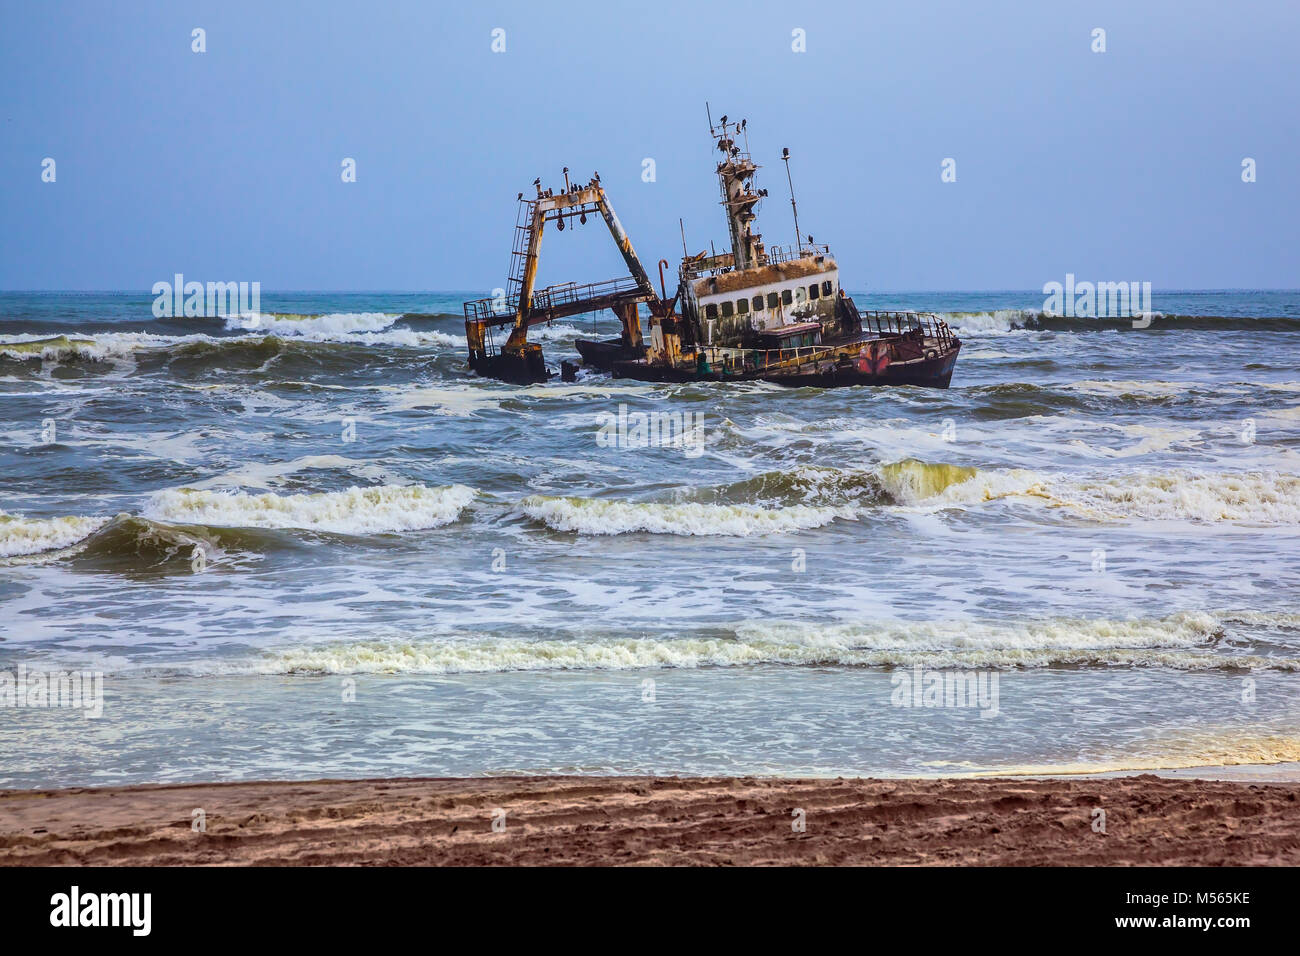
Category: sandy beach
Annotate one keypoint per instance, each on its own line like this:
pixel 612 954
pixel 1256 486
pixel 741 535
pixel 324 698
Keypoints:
pixel 667 821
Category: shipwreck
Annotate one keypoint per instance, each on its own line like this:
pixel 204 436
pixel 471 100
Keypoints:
pixel 776 314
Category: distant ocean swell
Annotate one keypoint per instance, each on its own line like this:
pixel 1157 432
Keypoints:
pixel 439 330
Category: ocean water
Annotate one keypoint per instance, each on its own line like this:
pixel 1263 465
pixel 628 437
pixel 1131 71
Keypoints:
pixel 407 570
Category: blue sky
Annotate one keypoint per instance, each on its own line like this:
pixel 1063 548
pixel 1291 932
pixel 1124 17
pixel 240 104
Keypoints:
pixel 225 165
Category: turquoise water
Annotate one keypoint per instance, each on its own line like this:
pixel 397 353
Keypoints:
pixel 409 570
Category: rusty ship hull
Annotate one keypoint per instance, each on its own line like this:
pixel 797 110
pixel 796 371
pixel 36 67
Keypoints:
pixel 933 372
pixel 880 349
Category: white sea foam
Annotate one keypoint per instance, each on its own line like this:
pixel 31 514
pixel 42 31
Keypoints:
pixel 402 338
pixel 1261 498
pixel 554 333
pixel 351 329
pixel 101 346
pixel 1182 630
pixel 1137 388
pixel 21 536
pixel 407 338
pixel 105 346
pixel 384 508
pixel 332 324
pixel 998 322
pixel 1185 641
pixel 609 516
pixel 1152 438
pixel 266 475
pixel 1251 498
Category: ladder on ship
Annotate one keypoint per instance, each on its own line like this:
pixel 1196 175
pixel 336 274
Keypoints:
pixel 519 251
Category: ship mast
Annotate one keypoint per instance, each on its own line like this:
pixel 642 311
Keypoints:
pixel 798 236
pixel 735 177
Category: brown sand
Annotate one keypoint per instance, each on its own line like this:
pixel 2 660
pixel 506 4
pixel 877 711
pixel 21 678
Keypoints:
pixel 665 820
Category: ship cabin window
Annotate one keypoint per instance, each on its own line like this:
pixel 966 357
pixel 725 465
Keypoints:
pixel 827 288
pixel 711 310
pixel 786 297
pixel 813 291
pixel 799 337
pixel 772 300
pixel 742 306
pixel 758 303
pixel 727 309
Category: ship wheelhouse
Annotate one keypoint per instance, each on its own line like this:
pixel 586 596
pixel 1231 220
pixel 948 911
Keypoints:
pixel 729 307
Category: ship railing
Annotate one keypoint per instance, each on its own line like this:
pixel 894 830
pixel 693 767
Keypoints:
pixel 501 310
pixel 493 310
pixel 724 262
pixel 779 254
pixel 741 359
pixel 900 323
pixel 794 357
pixel 569 293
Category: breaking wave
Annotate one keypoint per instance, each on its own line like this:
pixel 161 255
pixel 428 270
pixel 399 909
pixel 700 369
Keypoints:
pixel 95 348
pixel 770 503
pixel 894 483
pixel 355 511
pixel 553 333
pixel 23 536
pixel 607 516
pixel 125 542
pixel 985 323
pixel 911 480
pixel 1185 641
pixel 804 484
pixel 331 324
pixel 133 543
pixel 1259 498
pixel 812 496
pixel 284 334
pixel 176 520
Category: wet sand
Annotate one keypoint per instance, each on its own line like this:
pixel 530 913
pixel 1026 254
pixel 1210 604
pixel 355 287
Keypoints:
pixel 660 821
